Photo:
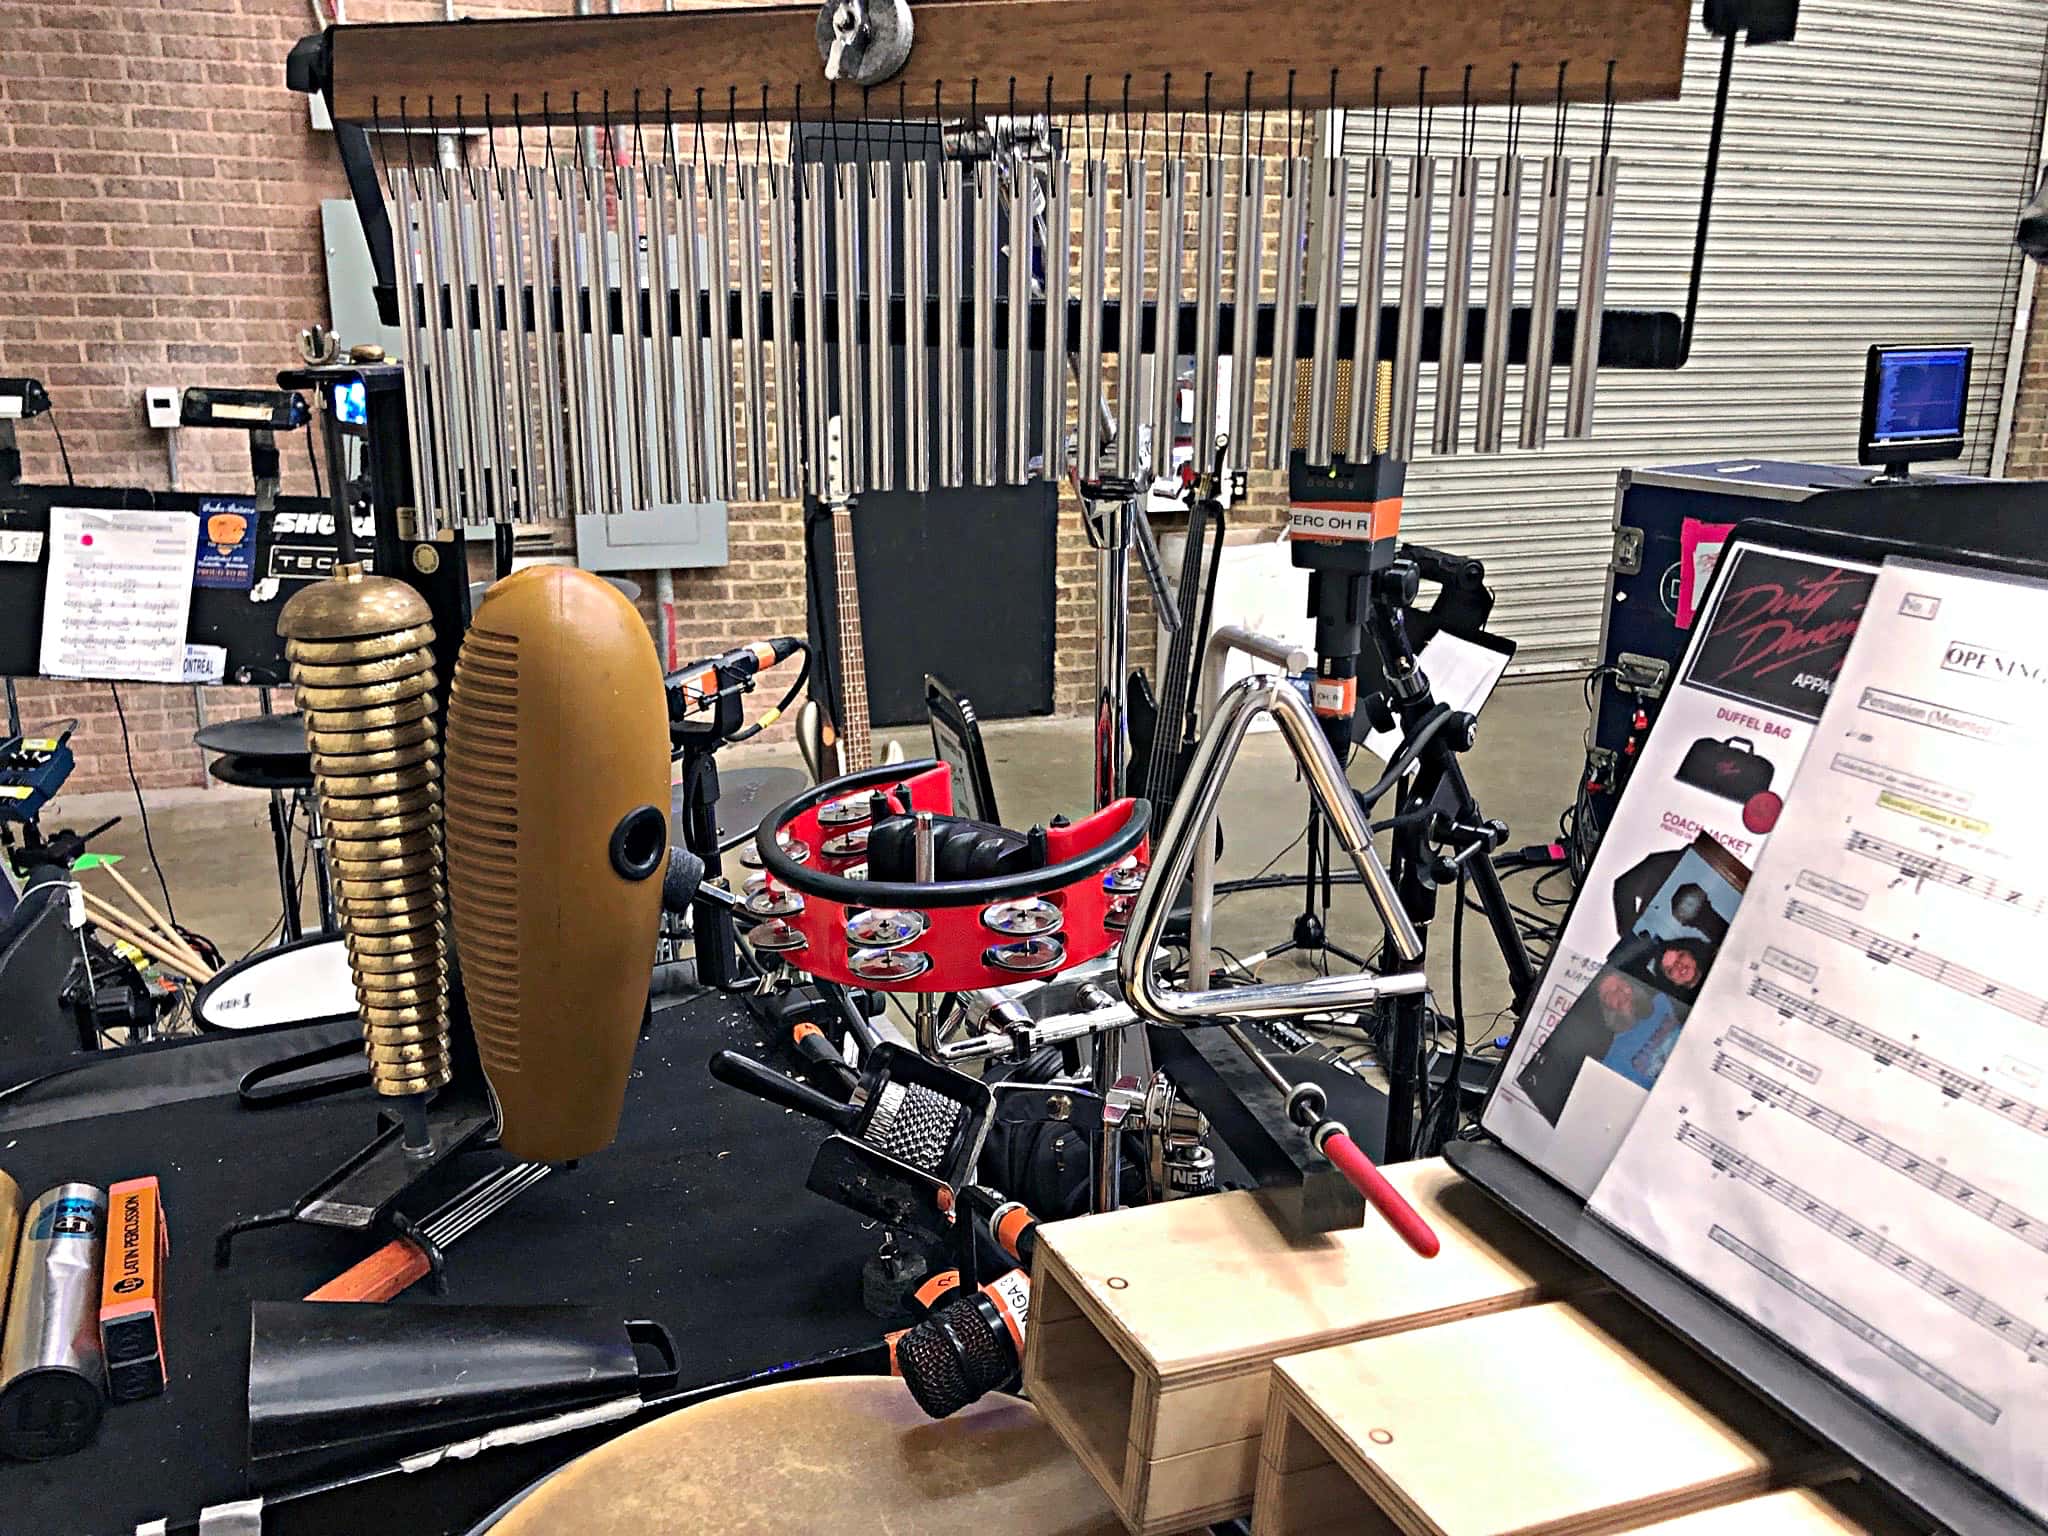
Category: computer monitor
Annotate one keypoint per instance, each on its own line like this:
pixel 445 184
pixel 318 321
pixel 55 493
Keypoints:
pixel 1914 400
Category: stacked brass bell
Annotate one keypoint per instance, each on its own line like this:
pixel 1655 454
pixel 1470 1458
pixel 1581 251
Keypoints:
pixel 362 662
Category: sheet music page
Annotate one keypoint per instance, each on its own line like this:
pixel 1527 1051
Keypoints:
pixel 118 596
pixel 1850 1144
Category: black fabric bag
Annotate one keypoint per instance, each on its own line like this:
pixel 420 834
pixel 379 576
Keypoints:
pixel 1731 769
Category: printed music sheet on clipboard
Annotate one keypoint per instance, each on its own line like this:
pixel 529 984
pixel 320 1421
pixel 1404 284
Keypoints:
pixel 1850 1143
pixel 1646 928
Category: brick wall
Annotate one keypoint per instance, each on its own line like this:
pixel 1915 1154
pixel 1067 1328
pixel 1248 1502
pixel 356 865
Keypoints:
pixel 168 186
pixel 2027 455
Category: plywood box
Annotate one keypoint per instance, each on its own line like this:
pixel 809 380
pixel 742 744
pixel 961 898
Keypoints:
pixel 1839 1509
pixel 1567 1419
pixel 1153 1329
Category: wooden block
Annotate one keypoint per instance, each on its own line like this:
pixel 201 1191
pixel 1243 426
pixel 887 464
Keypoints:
pixel 1838 1509
pixel 1152 1329
pixel 1601 1421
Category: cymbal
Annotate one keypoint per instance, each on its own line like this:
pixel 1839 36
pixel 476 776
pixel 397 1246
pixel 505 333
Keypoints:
pixel 841 1453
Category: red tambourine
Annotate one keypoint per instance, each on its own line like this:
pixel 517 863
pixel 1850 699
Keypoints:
pixel 820 913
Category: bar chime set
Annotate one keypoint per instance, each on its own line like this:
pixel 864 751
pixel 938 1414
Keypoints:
pixel 592 338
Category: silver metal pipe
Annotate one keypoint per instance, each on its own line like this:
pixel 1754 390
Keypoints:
pixel 690 377
pixel 846 291
pixel 1194 812
pixel 987 211
pixel 570 259
pixel 1173 196
pixel 1293 234
pixel 448 255
pixel 1375 202
pixel 1593 259
pixel 490 285
pixel 540 227
pixel 917 358
pixel 667 446
pixel 1088 357
pixel 753 345
pixel 1450 367
pixel 1292 660
pixel 1500 302
pixel 1327 194
pixel 880 355
pixel 521 422
pixel 1550 225
pixel 1209 198
pixel 1130 346
pixel 605 336
pixel 782 315
pixel 418 413
pixel 1017 353
pixel 638 481
pixel 817 391
pixel 1059 226
pixel 718 279
pixel 1414 304
pixel 952 378
pixel 1109 530
pixel 1244 327
pixel 1106 1071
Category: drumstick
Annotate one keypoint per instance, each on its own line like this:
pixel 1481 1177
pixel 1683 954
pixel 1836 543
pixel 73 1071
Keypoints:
pixel 402 1261
pixel 164 925
pixel 111 919
pixel 187 959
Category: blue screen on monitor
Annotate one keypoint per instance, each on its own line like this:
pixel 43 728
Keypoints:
pixel 1921 395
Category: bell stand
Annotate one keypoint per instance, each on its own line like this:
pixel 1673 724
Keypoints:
pixel 412 1139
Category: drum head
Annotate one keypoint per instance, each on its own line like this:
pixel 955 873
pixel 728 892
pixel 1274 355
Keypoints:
pixel 294 984
pixel 845 1453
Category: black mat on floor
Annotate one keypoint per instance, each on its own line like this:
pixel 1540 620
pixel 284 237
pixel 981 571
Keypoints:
pixel 696 1218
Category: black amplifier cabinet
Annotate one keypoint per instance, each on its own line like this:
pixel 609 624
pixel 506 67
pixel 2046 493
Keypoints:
pixel 1667 520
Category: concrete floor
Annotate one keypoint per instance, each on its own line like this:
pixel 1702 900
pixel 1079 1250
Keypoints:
pixel 216 850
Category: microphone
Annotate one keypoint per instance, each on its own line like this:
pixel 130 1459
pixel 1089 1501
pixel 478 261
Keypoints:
pixel 966 1349
pixel 557 771
pixel 699 680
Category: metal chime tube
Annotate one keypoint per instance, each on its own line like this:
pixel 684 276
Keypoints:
pixel 1593 259
pixel 638 479
pixel 881 222
pixel 522 423
pixel 987 213
pixel 418 411
pixel 1374 205
pixel 1500 302
pixel 952 379
pixel 917 373
pixel 1414 304
pixel 1244 325
pixel 1130 346
pixel 718 280
pixel 540 226
pixel 1293 234
pixel 469 281
pixel 1332 171
pixel 1450 368
pixel 817 405
pixel 1550 222
pixel 570 256
pixel 668 461
pixel 782 315
pixel 846 292
pixel 604 334
pixel 1166 318
pixel 497 402
pixel 690 377
pixel 1208 308
pixel 753 345
pixel 1059 224
pixel 1017 357
pixel 1094 257
pixel 445 289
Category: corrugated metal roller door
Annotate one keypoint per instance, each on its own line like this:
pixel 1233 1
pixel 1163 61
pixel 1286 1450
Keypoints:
pixel 1869 182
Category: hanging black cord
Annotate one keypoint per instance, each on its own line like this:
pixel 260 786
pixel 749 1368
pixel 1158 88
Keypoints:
pixel 141 806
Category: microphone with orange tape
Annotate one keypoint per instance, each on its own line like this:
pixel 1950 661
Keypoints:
pixel 557 774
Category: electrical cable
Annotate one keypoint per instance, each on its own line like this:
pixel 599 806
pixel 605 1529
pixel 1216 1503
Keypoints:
pixel 313 459
pixel 62 452
pixel 135 783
